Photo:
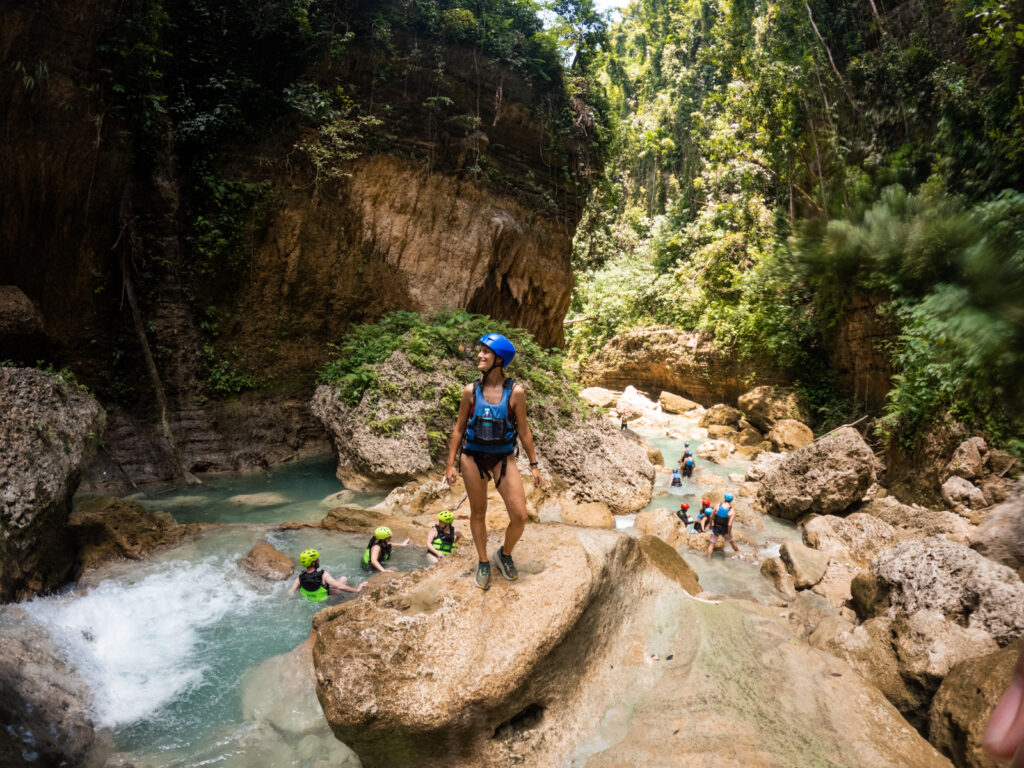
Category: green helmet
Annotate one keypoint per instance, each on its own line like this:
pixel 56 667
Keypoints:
pixel 446 516
pixel 383 532
pixel 308 557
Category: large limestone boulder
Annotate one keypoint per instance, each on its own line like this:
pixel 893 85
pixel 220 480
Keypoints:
pixel 935 574
pixel 965 701
pixel 632 405
pixel 857 539
pixel 1001 535
pixel 789 434
pixel 806 565
pixel 265 561
pixel 963 494
pixel 49 430
pixel 18 315
pixel 44 704
pixel 762 464
pixel 721 414
pixel 722 432
pixel 599 396
pixel 907 656
pixel 917 472
pixel 766 406
pixel 774 569
pixel 671 403
pixel 824 478
pixel 969 459
pixel 426 670
pixel 717 451
pixel 107 528
pixel 918 522
pixel 749 437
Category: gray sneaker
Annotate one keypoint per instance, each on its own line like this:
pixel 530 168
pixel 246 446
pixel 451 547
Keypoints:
pixel 483 575
pixel 505 565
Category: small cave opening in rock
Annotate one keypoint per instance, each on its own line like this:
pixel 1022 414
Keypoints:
pixel 526 719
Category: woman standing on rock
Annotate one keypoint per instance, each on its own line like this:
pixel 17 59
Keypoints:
pixel 492 414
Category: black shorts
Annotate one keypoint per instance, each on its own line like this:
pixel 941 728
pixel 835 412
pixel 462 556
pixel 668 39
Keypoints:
pixel 720 530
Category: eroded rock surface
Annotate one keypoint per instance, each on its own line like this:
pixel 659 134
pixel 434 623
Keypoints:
pixel 824 478
pixel 18 315
pixel 672 403
pixel 918 522
pixel 107 528
pixel 1001 535
pixel 935 574
pixel 49 430
pixel 765 406
pixel 601 654
pixel 599 396
pixel 266 562
pixel 44 704
pixel 856 539
pixel 789 435
pixel 720 415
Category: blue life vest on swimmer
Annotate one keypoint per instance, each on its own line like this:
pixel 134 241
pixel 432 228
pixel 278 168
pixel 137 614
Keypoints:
pixel 722 513
pixel 311 585
pixel 445 541
pixel 491 428
pixel 383 557
pixel 689 461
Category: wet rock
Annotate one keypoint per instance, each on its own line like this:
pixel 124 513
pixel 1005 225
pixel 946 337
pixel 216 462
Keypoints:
pixel 805 564
pixel 918 522
pixel 775 571
pixel 965 701
pixel 764 463
pixel 266 562
pixel 655 456
pixel 44 704
pixel 576 631
pixel 856 539
pixel 599 396
pixel 765 406
pixel 632 405
pixel 715 450
pixel 788 435
pixel 721 414
pixel 1001 536
pixel 18 315
pixel 969 459
pixel 49 429
pixel 825 478
pixel 265 499
pixel 962 494
pixel 806 613
pixel 935 574
pixel 107 528
pixel 671 403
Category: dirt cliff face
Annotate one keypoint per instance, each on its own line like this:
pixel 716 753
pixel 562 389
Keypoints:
pixel 469 205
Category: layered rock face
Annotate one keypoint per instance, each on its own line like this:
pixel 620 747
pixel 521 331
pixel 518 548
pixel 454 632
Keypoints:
pixel 48 433
pixel 683 362
pixel 596 656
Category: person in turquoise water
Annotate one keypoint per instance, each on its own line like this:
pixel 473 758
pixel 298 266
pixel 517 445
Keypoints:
pixel 316 584
pixel 492 418
pixel 703 521
pixel 721 525
pixel 443 536
pixel 378 550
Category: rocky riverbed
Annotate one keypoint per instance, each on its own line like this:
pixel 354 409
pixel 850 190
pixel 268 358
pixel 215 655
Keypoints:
pixel 875 624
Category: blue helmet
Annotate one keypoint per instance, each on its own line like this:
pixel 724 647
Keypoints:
pixel 728 497
pixel 500 346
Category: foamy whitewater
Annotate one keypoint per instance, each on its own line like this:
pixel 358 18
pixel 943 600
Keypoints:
pixel 140 644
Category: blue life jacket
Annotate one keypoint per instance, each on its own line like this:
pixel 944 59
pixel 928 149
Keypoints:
pixel 675 473
pixel 689 461
pixel 723 511
pixel 491 429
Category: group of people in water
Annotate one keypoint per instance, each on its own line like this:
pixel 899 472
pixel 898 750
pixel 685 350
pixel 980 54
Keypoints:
pixel 491 423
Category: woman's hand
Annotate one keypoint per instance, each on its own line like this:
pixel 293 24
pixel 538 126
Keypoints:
pixel 450 474
pixel 538 481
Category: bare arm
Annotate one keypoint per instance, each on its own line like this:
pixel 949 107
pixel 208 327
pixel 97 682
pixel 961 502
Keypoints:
pixel 295 585
pixel 374 559
pixel 341 584
pixel 518 403
pixel 431 535
pixel 465 409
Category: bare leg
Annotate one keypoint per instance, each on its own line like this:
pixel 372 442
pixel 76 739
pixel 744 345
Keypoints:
pixel 711 547
pixel 512 493
pixel 476 490
pixel 733 542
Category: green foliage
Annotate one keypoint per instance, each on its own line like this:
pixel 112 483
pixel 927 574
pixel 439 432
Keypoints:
pixel 430 341
pixel 223 216
pixel 388 427
pixel 226 375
